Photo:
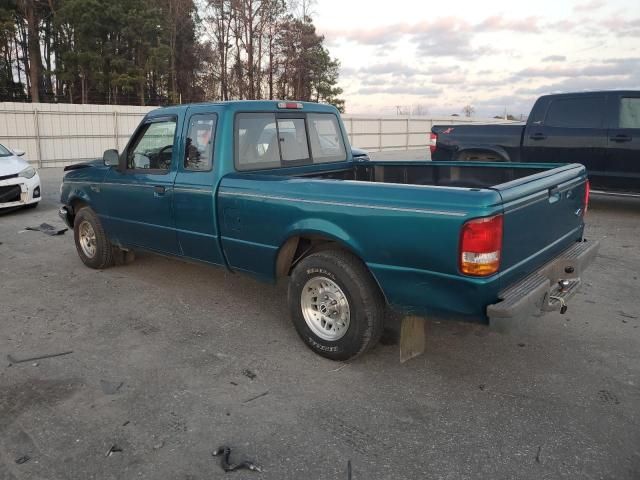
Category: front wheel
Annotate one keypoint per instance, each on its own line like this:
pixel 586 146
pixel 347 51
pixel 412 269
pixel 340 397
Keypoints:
pixel 335 304
pixel 92 243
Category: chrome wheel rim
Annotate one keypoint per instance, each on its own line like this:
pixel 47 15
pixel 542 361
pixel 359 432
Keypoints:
pixel 87 239
pixel 325 308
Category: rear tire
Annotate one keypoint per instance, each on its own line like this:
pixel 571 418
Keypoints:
pixel 93 245
pixel 335 304
pixel 472 156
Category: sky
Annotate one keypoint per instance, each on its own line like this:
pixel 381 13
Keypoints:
pixel 494 55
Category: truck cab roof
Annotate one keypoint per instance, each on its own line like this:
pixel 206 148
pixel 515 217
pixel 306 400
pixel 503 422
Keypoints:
pixel 248 106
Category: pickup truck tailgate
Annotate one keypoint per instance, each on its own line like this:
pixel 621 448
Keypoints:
pixel 543 215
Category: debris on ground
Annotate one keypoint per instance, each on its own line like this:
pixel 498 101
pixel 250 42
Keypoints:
pixel 110 388
pixel 227 466
pixel 249 374
pixel 159 445
pixel 23 459
pixel 349 470
pixel 113 449
pixel 126 423
pixel 339 368
pixel 256 397
pixel 40 357
pixel 522 345
pixel 538 454
pixel 48 229
pixel 481 386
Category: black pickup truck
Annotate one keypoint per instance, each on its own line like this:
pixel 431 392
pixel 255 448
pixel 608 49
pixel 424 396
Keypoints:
pixel 601 130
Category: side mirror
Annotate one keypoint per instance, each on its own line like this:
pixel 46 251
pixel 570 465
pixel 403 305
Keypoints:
pixel 111 158
pixel 18 152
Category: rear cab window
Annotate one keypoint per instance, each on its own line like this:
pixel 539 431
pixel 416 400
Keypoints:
pixel 577 112
pixel 268 140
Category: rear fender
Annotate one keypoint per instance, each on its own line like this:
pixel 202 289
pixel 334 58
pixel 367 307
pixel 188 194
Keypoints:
pixel 326 229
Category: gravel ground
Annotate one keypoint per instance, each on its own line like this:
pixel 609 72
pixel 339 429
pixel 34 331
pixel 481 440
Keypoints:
pixel 171 360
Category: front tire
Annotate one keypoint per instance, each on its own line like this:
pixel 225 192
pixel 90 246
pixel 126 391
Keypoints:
pixel 335 304
pixel 92 243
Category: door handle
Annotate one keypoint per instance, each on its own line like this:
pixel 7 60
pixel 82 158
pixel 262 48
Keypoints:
pixel 158 190
pixel 538 136
pixel 621 138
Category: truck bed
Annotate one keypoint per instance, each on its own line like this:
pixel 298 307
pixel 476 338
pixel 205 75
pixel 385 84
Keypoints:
pixel 405 219
pixel 464 175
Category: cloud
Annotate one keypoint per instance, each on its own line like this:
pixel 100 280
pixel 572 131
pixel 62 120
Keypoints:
pixel 422 90
pixel 448 79
pixel 589 6
pixel 622 27
pixel 582 84
pixel 446 36
pixel 499 23
pixel 555 58
pixel 395 68
pixel 610 68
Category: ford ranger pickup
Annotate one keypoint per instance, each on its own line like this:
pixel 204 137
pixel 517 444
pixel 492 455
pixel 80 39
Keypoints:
pixel 271 189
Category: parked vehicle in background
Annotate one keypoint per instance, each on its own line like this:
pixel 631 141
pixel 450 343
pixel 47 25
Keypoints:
pixel 600 130
pixel 272 189
pixel 19 181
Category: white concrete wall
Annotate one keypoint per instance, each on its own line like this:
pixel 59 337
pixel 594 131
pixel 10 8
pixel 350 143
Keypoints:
pixel 55 135
pixel 378 134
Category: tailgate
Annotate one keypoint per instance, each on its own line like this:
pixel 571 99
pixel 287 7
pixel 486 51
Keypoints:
pixel 543 215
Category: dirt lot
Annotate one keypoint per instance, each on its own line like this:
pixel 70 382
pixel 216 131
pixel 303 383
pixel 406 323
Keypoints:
pixel 171 360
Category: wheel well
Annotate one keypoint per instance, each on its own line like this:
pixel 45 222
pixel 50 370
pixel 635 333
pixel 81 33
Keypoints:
pixel 76 204
pixel 300 246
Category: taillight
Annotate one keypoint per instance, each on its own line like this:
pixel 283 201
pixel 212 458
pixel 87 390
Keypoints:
pixel 481 246
pixel 433 142
pixel 587 192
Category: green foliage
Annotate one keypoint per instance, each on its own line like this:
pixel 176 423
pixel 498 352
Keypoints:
pixel 152 51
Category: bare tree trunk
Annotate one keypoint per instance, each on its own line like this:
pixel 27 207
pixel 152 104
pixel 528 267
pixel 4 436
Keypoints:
pixel 33 45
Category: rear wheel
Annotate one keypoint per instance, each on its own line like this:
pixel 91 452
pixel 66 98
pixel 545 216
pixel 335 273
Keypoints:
pixel 336 306
pixel 479 156
pixel 92 244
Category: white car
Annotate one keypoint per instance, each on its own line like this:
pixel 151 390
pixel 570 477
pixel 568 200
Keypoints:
pixel 19 181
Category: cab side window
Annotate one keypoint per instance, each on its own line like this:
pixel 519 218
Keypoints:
pixel 199 143
pixel 629 113
pixel 578 112
pixel 153 147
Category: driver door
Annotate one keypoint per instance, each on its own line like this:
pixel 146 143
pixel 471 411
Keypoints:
pixel 140 196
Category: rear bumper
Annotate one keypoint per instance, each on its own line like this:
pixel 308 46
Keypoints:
pixel 542 291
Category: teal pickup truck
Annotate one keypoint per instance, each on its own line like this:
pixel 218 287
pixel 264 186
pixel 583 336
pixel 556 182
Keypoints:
pixel 272 189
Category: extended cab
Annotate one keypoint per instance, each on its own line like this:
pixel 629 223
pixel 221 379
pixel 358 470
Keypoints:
pixel 600 130
pixel 271 189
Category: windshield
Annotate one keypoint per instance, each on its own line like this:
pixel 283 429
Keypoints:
pixel 4 151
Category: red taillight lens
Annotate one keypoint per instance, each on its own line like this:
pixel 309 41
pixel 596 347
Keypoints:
pixel 587 192
pixel 481 246
pixel 433 142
